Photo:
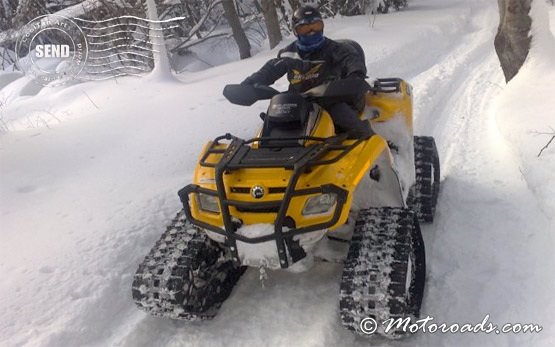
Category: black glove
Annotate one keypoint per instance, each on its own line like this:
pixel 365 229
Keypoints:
pixel 363 132
pixel 248 82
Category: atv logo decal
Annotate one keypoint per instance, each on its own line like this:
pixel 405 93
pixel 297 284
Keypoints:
pixel 257 192
pixel 299 77
pixel 284 108
pixel 207 180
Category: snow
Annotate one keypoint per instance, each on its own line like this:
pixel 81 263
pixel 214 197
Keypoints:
pixel 89 175
pixel 523 122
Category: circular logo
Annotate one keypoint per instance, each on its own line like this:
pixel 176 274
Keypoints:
pixel 52 49
pixel 257 192
pixel 368 326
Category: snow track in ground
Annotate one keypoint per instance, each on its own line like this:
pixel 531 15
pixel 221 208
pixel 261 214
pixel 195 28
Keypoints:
pixel 488 219
pixel 487 222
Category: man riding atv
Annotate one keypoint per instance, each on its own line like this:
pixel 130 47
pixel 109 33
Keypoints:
pixel 314 59
pixel 267 202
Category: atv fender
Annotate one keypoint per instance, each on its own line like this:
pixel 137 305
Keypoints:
pixel 354 173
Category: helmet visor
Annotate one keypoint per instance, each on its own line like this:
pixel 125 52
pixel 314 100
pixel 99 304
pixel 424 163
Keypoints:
pixel 304 29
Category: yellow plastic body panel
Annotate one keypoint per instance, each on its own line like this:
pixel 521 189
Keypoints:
pixel 392 104
pixel 324 126
pixel 345 173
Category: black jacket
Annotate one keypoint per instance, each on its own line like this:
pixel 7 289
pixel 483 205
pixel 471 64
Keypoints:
pixel 335 60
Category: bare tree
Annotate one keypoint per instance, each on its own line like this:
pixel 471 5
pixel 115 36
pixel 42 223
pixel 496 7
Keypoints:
pixel 512 41
pixel 272 21
pixel 162 67
pixel 7 11
pixel 295 4
pixel 23 15
pixel 26 11
pixel 238 32
pixel 192 16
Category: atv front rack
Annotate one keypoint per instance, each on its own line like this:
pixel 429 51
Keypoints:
pixel 240 155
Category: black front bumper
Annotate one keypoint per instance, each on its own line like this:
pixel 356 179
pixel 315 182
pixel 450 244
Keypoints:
pixel 281 237
pixel 239 155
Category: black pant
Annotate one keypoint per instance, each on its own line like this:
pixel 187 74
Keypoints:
pixel 345 118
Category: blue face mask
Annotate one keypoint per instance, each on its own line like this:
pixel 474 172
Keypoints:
pixel 309 43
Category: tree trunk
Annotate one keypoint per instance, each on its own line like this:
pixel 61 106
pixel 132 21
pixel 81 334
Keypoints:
pixel 238 32
pixel 281 5
pixel 8 37
pixel 295 4
pixel 512 41
pixel 272 22
pixel 162 67
pixel 7 11
pixel 26 11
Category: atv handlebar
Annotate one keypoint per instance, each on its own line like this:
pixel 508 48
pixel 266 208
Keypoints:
pixel 248 94
pixel 345 90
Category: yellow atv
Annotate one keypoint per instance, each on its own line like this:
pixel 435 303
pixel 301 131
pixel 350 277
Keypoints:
pixel 266 202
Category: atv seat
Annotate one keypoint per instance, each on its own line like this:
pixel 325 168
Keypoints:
pixel 287 117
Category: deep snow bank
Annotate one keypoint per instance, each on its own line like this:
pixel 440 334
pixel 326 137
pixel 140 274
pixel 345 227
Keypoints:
pixel 526 111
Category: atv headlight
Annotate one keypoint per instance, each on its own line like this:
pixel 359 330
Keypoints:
pixel 319 204
pixel 208 203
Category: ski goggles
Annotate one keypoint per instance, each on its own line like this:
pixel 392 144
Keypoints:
pixel 303 29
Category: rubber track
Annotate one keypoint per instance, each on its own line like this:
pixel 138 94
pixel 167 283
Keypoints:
pixel 423 198
pixel 185 276
pixel 373 283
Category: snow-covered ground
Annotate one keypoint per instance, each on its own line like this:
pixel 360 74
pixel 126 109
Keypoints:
pixel 89 175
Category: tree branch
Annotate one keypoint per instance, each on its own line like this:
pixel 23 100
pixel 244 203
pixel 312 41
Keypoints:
pixel 547 145
pixel 196 42
pixel 552 134
pixel 196 28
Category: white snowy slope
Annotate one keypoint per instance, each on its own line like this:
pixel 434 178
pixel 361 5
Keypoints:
pixel 89 175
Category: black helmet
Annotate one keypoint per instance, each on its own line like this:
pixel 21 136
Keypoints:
pixel 306 15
